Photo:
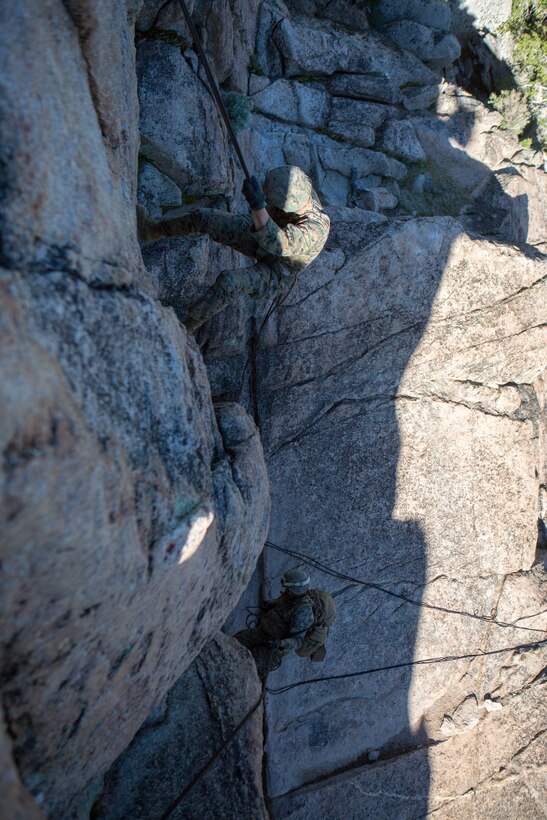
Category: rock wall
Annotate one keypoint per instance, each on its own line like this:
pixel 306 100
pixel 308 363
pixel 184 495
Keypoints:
pixel 397 457
pixel 182 734
pixel 132 509
pixel 397 397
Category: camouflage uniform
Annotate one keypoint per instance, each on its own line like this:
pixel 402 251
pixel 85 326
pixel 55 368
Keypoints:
pixel 282 248
pixel 286 619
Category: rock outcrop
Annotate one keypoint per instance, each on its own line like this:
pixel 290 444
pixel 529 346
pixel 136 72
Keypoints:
pixel 415 465
pixel 132 509
pixel 396 401
pixel 192 723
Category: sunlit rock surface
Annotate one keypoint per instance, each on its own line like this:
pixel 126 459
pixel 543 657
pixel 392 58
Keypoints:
pixel 398 394
pixel 132 510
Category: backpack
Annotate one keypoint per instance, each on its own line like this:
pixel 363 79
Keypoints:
pixel 324 613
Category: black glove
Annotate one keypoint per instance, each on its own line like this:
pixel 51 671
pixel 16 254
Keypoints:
pixel 253 193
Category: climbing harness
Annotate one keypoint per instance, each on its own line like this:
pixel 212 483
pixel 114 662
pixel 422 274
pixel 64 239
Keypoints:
pixel 371 585
pixel 324 613
pixel 214 88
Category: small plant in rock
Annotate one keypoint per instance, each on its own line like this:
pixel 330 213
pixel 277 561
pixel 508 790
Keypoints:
pixel 239 109
pixel 513 107
pixel 528 26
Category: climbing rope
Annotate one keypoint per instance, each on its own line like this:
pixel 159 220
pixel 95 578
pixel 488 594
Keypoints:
pixel 276 303
pixel 360 673
pixel 214 757
pixel 421 662
pixel 371 585
pixel 214 88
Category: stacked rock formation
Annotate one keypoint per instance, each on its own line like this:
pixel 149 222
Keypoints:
pixel 132 510
pixel 396 391
pixel 397 397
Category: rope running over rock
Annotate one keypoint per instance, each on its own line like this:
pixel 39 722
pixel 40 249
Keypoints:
pixel 423 661
pixel 371 585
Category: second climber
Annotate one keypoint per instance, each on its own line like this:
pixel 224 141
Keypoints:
pixel 285 232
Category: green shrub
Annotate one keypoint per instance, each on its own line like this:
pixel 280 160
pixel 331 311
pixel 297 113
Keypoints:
pixel 528 27
pixel 239 109
pixel 513 107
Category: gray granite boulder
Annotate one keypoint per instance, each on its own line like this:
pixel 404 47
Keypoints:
pixel 171 131
pixel 496 772
pixel 478 15
pixel 156 191
pixel 350 114
pixel 373 86
pixel 315 47
pixel 17 803
pixel 293 102
pixel 403 372
pixel 227 32
pixel 343 12
pixel 132 509
pixel 75 133
pixel 416 98
pixel 373 199
pixel 432 13
pixel 433 47
pixel 102 596
pixel 331 164
pixel 400 140
pixel 182 733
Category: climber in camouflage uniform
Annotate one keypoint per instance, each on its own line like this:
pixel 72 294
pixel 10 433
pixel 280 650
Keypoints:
pixel 298 620
pixel 286 230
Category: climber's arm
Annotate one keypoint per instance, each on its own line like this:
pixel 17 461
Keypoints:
pixel 288 242
pixel 260 218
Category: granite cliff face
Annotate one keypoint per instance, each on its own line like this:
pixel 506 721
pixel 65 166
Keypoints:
pixel 395 407
pixel 133 510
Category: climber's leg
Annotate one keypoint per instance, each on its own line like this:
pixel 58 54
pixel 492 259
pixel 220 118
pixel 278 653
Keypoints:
pixel 260 281
pixel 250 637
pixel 233 230
pixel 265 657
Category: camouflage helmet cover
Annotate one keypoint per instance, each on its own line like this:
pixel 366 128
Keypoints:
pixel 287 188
pixel 296 580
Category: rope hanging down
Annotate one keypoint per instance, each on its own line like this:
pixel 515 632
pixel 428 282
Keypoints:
pixel 214 88
pixel 277 302
pixel 214 757
pixel 371 585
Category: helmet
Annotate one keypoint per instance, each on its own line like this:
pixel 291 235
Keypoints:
pixel 287 188
pixel 296 581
